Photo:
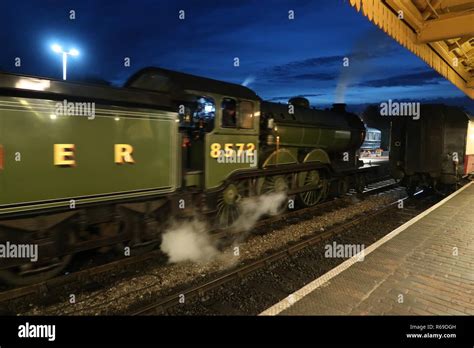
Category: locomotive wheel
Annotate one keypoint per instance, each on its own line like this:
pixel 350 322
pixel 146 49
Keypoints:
pixel 311 178
pixel 36 272
pixel 275 184
pixel 228 204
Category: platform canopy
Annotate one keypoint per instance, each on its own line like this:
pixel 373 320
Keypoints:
pixel 441 32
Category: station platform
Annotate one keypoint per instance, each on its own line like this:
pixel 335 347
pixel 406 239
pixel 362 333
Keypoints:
pixel 424 267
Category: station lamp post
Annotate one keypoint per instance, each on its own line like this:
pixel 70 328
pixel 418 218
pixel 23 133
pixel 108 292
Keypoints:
pixel 72 52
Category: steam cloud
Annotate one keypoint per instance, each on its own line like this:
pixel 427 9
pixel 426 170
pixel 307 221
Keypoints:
pixel 190 240
pixel 252 209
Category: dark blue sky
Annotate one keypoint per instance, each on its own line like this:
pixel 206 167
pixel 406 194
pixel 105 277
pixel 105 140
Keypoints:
pixel 279 58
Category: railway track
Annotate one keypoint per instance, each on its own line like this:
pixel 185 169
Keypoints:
pixel 239 273
pixel 84 275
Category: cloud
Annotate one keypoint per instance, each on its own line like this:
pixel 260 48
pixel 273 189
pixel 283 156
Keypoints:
pixel 309 63
pixel 463 102
pixel 286 98
pixel 328 67
pixel 410 79
pixel 315 76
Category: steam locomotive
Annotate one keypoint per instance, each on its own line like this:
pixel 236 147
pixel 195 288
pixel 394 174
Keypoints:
pixel 164 144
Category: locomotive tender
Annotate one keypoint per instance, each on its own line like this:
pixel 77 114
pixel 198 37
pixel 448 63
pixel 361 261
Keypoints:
pixel 434 151
pixel 72 183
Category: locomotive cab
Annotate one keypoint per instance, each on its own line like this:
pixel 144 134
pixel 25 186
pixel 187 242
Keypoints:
pixel 219 124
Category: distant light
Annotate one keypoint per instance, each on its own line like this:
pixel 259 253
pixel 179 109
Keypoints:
pixel 56 48
pixel 74 52
pixel 208 108
pixel 117 118
pixel 53 116
pixel 33 84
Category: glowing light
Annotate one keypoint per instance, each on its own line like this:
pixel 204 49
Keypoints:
pixel 53 116
pixel 33 84
pixel 74 52
pixel 117 118
pixel 56 48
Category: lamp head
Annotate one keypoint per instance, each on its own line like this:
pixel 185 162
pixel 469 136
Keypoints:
pixel 74 52
pixel 56 48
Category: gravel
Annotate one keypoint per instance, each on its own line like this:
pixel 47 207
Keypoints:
pixel 155 281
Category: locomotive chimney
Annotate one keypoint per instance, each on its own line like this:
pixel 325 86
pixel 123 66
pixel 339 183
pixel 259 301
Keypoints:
pixel 339 107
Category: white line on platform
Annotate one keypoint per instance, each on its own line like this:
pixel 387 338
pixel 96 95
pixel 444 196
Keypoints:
pixel 307 289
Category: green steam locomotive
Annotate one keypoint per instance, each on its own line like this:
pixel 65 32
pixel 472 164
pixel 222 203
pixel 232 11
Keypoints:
pixel 87 167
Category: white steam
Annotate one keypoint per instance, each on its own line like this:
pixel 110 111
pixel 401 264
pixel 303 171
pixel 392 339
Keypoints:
pixel 188 241
pixel 248 80
pixel 252 209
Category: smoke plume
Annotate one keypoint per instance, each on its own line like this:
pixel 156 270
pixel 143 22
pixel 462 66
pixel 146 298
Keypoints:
pixel 373 44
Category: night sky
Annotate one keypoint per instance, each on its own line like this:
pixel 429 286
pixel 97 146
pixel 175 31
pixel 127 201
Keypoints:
pixel 279 58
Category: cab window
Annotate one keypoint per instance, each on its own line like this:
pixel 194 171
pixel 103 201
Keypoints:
pixel 237 115
pixel 198 113
pixel 229 113
pixel 205 113
pixel 246 115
